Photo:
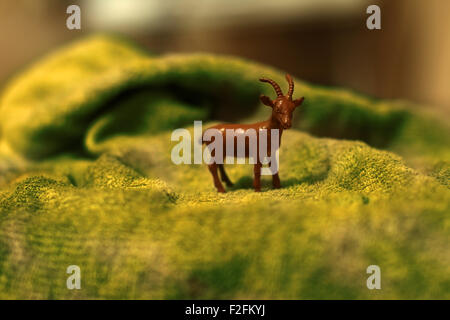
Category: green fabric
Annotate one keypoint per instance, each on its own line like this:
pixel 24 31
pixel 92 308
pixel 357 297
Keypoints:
pixel 86 179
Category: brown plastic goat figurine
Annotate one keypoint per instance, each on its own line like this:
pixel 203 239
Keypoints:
pixel 280 119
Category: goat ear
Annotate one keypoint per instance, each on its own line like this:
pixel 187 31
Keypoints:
pixel 266 100
pixel 299 101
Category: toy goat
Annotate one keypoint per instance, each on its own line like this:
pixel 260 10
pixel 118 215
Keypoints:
pixel 280 119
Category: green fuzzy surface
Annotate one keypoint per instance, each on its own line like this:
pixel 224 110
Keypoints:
pixel 86 179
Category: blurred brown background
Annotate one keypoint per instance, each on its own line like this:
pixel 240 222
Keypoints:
pixel 322 41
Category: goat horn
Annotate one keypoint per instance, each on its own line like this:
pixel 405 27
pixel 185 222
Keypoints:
pixel 274 85
pixel 291 85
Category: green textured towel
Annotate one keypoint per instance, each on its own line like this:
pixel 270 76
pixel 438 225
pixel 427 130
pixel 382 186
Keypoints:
pixel 86 179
